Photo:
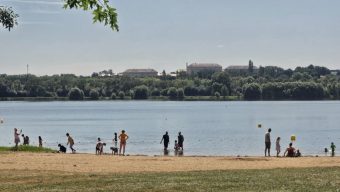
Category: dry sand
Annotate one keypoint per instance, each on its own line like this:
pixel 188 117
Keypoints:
pixel 88 163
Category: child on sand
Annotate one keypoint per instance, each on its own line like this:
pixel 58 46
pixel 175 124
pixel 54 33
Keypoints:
pixel 278 146
pixel 70 142
pixel 62 149
pixel 333 149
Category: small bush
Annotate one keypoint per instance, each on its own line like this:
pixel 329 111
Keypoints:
pixel 155 93
pixel 217 95
pixel 113 96
pixel 121 95
pixel 94 94
pixel 180 93
pixel 141 92
pixel 172 93
pixel 76 94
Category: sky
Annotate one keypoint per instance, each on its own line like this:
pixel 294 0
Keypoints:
pixel 167 34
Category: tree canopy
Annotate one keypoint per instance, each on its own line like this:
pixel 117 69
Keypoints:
pixel 8 18
pixel 101 10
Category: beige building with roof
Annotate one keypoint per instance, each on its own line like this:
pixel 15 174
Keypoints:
pixel 195 68
pixel 140 73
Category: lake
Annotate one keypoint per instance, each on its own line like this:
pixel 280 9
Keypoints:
pixel 209 128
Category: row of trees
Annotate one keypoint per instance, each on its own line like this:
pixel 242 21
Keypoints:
pixel 302 83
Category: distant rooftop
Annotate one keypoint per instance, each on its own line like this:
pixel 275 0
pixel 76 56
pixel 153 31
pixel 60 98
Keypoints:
pixel 140 71
pixel 203 65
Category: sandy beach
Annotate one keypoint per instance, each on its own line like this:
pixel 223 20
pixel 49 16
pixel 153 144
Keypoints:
pixel 88 163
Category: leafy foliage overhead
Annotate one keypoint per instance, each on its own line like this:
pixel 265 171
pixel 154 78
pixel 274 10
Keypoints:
pixel 8 18
pixel 101 10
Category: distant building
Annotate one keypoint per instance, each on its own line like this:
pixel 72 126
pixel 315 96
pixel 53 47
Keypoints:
pixel 241 69
pixel 335 72
pixel 196 68
pixel 140 73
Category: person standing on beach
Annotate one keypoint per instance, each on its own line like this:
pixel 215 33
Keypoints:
pixel 17 137
pixel 115 140
pixel 278 147
pixel 70 142
pixel 180 140
pixel 40 142
pixel 123 138
pixel 267 142
pixel 333 149
pixel 166 140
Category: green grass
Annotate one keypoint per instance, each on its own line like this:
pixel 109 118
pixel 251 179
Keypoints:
pixel 26 148
pixel 302 179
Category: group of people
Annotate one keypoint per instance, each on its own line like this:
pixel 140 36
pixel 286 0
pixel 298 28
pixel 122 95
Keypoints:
pixel 178 143
pixel 123 137
pixel 290 150
pixel 26 139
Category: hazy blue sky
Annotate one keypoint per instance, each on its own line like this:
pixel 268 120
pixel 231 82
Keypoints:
pixel 165 34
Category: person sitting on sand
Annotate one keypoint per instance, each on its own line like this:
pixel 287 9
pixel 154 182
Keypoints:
pixel 298 153
pixel 40 141
pixel 70 142
pixel 62 149
pixel 123 138
pixel 17 137
pixel 290 151
pixel 278 147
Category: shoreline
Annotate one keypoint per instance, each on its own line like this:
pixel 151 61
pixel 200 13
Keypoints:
pixel 91 163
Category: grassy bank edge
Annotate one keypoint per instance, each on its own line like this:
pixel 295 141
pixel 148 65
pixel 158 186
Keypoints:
pixel 26 148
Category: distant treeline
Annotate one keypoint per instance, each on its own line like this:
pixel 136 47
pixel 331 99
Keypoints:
pixel 268 83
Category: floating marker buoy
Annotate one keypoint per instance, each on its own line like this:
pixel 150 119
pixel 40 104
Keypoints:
pixel 293 138
pixel 1 121
pixel 259 126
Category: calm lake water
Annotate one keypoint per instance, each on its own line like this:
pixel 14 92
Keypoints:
pixel 209 128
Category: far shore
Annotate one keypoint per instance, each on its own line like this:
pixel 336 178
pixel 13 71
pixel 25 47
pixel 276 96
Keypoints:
pixel 90 163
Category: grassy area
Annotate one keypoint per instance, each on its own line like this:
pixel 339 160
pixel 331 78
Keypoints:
pixel 306 179
pixel 25 148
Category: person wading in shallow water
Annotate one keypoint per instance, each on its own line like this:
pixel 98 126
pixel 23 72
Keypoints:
pixel 180 141
pixel 267 142
pixel 166 140
pixel 123 138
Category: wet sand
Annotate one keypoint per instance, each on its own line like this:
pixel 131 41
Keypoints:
pixel 89 163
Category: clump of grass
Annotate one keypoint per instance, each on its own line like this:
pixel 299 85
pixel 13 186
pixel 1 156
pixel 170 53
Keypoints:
pixel 27 148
